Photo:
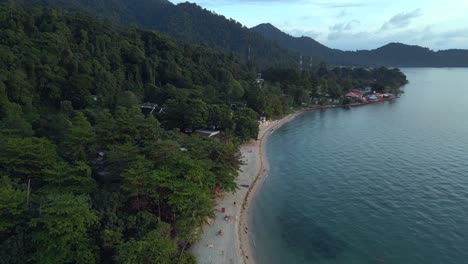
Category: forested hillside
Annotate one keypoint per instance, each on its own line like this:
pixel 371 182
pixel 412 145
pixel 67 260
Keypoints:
pixel 185 22
pixel 85 176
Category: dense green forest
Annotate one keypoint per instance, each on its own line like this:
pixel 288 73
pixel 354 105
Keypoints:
pixel 86 176
pixel 184 22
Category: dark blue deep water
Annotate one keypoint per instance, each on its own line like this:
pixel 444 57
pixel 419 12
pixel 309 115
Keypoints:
pixel 383 183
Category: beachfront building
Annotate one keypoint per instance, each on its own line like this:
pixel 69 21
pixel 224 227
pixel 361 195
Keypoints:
pixel 373 98
pixel 354 95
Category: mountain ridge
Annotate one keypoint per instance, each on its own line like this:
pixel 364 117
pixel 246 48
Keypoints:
pixel 263 45
pixel 392 54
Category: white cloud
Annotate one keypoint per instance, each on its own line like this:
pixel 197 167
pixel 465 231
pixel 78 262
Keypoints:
pixel 345 26
pixel 401 20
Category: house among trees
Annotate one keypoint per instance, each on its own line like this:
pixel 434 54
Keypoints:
pixel 233 107
pixel 259 80
pixel 237 106
pixel 150 108
pixel 207 133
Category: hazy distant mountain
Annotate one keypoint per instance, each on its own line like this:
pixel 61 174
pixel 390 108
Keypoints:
pixel 305 45
pixel 393 54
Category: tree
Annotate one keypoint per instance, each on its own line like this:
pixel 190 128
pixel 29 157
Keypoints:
pixel 140 185
pixel 190 183
pixel 106 128
pixel 126 124
pixel 149 130
pixel 12 204
pixel 189 114
pixel 121 157
pixel 246 124
pixel 299 95
pixel 65 178
pixel 79 88
pixel 334 90
pixel 236 90
pixel 156 247
pixel 127 99
pixel 196 114
pixel 80 139
pixel 26 158
pixel 12 117
pixel 257 99
pixel 220 117
pixel 60 233
pixel 224 157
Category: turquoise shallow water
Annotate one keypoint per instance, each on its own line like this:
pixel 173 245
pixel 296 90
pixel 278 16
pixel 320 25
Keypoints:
pixel 383 183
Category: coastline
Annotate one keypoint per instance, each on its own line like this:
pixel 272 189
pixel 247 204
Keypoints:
pixel 247 252
pixel 234 246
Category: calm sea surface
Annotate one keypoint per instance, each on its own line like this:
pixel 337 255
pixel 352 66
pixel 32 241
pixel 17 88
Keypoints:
pixel 383 183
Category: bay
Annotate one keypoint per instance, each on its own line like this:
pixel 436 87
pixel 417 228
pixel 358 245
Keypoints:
pixel 382 183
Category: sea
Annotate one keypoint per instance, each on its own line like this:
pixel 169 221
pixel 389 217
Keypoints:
pixel 381 183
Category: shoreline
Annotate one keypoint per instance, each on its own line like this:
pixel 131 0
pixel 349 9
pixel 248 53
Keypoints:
pixel 233 246
pixel 247 252
pixel 245 244
pixel 232 209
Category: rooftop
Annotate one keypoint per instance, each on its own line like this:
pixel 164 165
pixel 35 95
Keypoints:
pixel 207 133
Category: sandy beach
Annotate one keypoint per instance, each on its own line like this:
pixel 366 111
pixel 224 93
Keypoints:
pixel 236 245
pixel 233 246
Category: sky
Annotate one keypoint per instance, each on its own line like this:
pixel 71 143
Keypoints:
pixel 356 24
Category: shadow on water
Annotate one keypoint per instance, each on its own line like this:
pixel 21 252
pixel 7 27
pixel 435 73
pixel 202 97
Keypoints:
pixel 308 240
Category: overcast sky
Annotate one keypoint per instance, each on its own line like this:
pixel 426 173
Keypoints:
pixel 356 24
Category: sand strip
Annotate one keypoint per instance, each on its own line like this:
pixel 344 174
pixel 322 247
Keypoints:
pixel 233 245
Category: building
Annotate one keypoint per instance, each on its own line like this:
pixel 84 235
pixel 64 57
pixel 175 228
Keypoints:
pixel 149 108
pixel 366 90
pixel 259 80
pixel 354 95
pixel 207 133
